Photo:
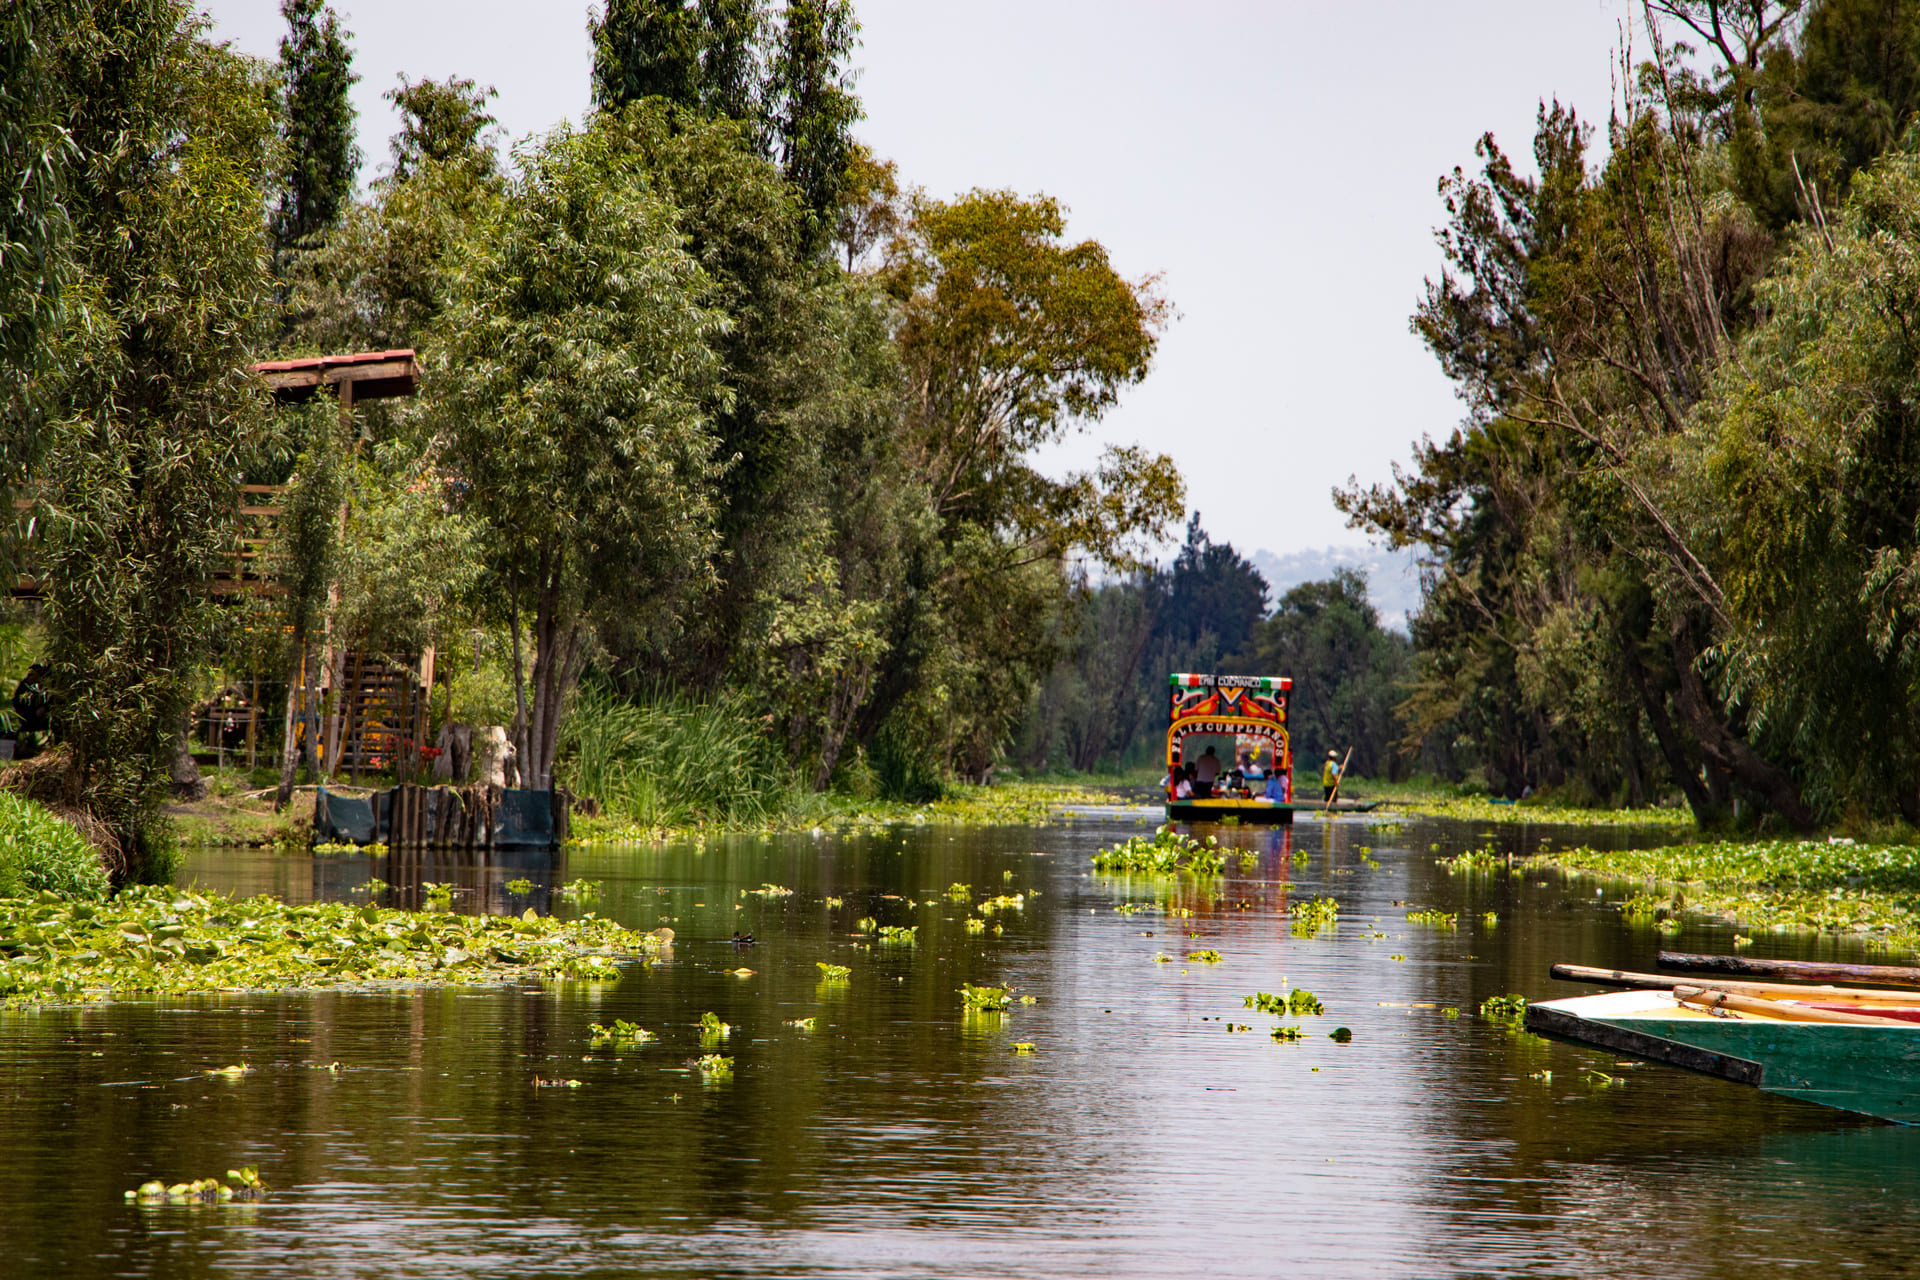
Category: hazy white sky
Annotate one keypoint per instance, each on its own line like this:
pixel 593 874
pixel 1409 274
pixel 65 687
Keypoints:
pixel 1274 162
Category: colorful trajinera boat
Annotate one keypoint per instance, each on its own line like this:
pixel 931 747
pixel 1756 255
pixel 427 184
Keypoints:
pixel 1854 1048
pixel 1241 723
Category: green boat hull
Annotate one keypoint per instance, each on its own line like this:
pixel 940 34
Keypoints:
pixel 1874 1071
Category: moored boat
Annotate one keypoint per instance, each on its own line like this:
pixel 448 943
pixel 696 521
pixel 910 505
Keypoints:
pixel 1854 1048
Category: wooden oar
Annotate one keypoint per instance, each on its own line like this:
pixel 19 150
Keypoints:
pixel 1338 778
pixel 1778 1010
pixel 1892 974
pixel 1764 990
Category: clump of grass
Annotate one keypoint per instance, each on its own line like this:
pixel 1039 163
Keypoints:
pixel 667 761
pixel 41 853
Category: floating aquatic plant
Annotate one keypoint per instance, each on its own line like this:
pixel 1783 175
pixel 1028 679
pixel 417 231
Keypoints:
pixel 233 1072
pixel 711 1028
pixel 1205 956
pixel 1004 902
pixel 833 972
pixel 984 999
pixel 1313 915
pixel 1023 1047
pixel 374 884
pixel 867 924
pixel 1286 1035
pixel 240 1184
pixel 1301 1001
pixel 976 925
pixel 1166 853
pixel 1489 919
pixel 960 892
pixel 579 891
pixel 440 894
pixel 1509 1008
pixel 898 934
pixel 620 1035
pixel 522 885
pixel 1438 919
pixel 556 1083
pixel 1340 1035
pixel 713 1067
pixel 768 891
pixel 834 904
pixel 803 1024
pixel 160 940
pixel 1474 860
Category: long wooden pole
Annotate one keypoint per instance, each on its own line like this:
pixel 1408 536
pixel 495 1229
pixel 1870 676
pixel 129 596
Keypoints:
pixel 1764 990
pixel 1891 974
pixel 1337 780
pixel 1703 998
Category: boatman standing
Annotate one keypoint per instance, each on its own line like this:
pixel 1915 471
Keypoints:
pixel 1329 776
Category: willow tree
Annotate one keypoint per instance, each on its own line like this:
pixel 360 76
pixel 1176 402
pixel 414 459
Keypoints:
pixel 157 413
pixel 577 360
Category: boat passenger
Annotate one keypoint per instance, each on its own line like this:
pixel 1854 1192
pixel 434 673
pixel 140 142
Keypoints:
pixel 1184 789
pixel 1250 766
pixel 1209 768
pixel 1277 787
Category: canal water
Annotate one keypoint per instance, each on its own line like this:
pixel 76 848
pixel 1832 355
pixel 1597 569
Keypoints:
pixel 1145 1133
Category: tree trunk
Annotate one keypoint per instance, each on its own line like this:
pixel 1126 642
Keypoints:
pixel 1655 705
pixel 1727 749
pixel 296 711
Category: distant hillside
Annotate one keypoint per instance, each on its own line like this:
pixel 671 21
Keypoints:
pixel 1393 582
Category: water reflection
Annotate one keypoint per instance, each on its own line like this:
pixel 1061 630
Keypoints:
pixel 902 1137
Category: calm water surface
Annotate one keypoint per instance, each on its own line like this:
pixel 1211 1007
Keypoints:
pixel 904 1138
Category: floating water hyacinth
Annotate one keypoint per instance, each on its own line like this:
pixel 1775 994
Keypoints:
pixel 984 999
pixel 713 1067
pixel 866 924
pixel 1206 956
pixel 976 925
pixel 833 972
pixel 1004 902
pixel 522 885
pixel 1509 1008
pixel 803 1024
pixel 621 1034
pixel 1166 853
pixel 1023 1047
pixel 241 1184
pixel 1313 915
pixel 770 891
pixel 1438 919
pixel 899 935
pixel 958 892
pixel 579 891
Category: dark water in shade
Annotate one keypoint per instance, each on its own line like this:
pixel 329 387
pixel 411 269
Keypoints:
pixel 902 1138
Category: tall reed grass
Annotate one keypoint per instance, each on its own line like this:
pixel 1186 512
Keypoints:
pixel 666 760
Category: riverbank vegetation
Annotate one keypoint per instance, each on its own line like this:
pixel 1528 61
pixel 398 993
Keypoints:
pixel 723 422
pixel 1671 546
pixel 1832 886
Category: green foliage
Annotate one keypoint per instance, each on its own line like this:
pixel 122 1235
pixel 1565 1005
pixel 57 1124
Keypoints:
pixel 41 854
pixel 1314 915
pixel 1347 672
pixel 1510 1008
pixel 1165 853
pixel 317 127
pixel 578 368
pixel 158 940
pixel 440 121
pixel 984 999
pixel 157 414
pixel 670 761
